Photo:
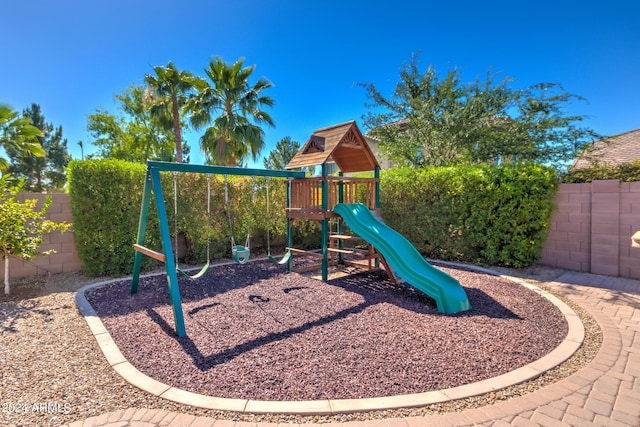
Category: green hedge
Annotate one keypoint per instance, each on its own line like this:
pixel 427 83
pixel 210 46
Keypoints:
pixel 106 196
pixel 105 203
pixel 490 215
pixel 626 172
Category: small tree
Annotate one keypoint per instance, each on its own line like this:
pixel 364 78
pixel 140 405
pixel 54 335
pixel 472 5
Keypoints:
pixel 18 133
pixel 435 120
pixel 137 132
pixel 22 226
pixel 282 154
pixel 41 173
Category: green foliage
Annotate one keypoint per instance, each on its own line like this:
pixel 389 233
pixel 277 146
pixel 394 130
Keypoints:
pixel 492 215
pixel 282 154
pixel 135 133
pixel 18 133
pixel 41 173
pixel 22 225
pixel 441 121
pixel 106 197
pixel 169 91
pixel 235 134
pixel 626 172
pixel 105 202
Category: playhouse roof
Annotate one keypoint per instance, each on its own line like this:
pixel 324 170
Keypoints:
pixel 342 143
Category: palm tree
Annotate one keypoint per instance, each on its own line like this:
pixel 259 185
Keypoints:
pixel 17 133
pixel 230 137
pixel 170 89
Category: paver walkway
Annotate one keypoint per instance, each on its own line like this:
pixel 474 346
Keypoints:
pixel 604 393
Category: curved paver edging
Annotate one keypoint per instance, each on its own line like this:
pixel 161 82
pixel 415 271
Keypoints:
pixel 122 366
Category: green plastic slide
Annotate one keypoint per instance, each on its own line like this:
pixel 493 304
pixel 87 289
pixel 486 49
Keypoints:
pixel 404 258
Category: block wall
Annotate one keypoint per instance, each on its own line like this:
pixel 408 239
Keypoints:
pixel 65 259
pixel 591 229
pixel 590 232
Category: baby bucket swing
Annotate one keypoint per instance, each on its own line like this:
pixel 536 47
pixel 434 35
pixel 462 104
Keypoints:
pixel 286 256
pixel 239 253
pixel 175 219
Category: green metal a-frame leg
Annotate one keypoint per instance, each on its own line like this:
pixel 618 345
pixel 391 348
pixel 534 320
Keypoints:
pixel 153 181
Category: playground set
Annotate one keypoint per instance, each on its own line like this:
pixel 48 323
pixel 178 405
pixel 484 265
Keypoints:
pixel 342 200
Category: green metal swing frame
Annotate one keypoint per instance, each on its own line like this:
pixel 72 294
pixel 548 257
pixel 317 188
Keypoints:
pixel 152 184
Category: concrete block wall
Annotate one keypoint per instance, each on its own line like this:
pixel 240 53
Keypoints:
pixel 592 228
pixel 590 232
pixel 65 259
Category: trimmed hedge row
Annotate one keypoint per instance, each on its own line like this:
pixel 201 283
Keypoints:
pixel 492 215
pixel 105 203
pixel 106 196
pixel 485 214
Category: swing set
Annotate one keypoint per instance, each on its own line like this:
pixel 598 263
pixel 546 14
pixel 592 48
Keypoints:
pixel 239 253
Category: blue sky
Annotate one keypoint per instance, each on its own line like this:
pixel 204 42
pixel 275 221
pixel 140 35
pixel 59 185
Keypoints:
pixel 72 56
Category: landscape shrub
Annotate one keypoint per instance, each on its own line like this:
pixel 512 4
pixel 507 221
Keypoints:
pixel 105 204
pixel 626 172
pixel 106 197
pixel 491 215
pixel 486 214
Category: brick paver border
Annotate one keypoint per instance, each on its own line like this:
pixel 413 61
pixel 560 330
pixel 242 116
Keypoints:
pixel 114 357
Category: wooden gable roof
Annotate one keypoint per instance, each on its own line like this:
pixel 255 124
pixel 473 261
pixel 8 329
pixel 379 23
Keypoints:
pixel 342 143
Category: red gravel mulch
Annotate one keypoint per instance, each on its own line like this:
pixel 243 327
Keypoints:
pixel 258 332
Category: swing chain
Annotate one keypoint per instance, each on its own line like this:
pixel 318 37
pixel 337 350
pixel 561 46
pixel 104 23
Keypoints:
pixel 268 218
pixel 208 218
pixel 175 213
pixel 228 209
pixel 253 197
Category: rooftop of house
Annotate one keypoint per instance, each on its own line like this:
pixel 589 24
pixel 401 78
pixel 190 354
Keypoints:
pixel 612 151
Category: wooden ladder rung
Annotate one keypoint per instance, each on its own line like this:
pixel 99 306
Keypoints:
pixel 149 252
pixel 307 268
pixel 344 237
pixel 348 251
pixel 302 251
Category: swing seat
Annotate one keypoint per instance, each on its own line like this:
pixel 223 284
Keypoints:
pixel 281 261
pixel 197 275
pixel 240 254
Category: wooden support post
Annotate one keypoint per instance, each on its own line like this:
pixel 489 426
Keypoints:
pixel 325 223
pixel 340 225
pixel 376 175
pixel 289 228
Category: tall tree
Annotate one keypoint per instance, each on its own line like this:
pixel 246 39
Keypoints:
pixel 134 133
pixel 282 154
pixel 17 133
pixel 45 173
pixel 432 120
pixel 170 89
pixel 235 133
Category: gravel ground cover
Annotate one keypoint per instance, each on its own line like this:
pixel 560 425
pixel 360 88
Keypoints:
pixel 258 332
pixel 52 371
